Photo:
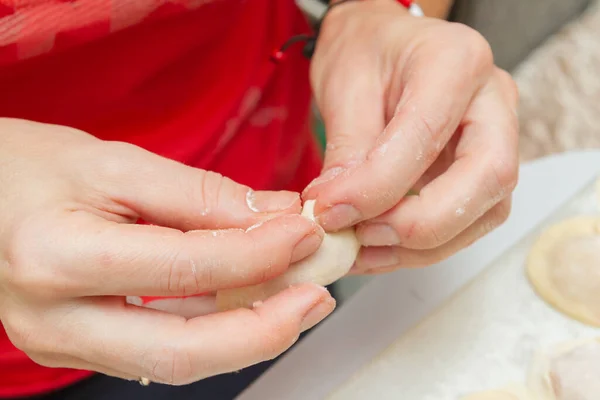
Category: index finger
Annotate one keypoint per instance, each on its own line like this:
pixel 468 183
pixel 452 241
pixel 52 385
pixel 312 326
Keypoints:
pixel 436 91
pixel 107 258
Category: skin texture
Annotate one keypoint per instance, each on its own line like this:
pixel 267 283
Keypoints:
pixel 389 130
pixel 69 254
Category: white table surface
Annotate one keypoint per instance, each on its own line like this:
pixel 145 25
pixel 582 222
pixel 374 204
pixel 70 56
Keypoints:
pixel 368 323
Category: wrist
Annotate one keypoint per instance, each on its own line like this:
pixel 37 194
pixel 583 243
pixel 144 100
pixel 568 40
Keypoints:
pixel 431 8
pixel 316 11
pixel 408 8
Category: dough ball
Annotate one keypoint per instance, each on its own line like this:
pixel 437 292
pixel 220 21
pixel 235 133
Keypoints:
pixel 564 268
pixel 329 263
pixel 570 371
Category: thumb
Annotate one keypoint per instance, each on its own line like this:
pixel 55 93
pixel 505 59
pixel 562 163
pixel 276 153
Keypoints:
pixel 168 193
pixel 351 105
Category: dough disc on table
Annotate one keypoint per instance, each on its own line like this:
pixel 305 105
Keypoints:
pixel 569 371
pixel 329 263
pixel 564 268
pixel 500 394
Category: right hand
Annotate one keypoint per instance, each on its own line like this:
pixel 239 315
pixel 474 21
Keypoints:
pixel 70 251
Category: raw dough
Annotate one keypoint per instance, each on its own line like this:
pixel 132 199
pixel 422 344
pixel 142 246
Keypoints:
pixel 564 268
pixel 569 371
pixel 329 263
pixel 505 394
pixel 187 307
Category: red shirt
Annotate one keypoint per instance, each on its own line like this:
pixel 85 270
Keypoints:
pixel 187 79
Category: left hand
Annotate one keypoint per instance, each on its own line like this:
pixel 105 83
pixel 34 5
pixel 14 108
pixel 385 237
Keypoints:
pixel 411 103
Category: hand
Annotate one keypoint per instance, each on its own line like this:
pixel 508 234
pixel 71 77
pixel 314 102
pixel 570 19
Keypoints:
pixel 411 103
pixel 70 252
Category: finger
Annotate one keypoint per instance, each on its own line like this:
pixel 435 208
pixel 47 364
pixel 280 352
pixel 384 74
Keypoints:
pixel 164 192
pixel 436 87
pixel 168 349
pixel 63 361
pixel 388 258
pixel 484 173
pixel 36 330
pixel 351 104
pixel 107 258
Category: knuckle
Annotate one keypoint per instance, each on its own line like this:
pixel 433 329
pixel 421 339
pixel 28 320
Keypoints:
pixel 113 165
pixel 273 344
pixel 338 19
pixel 496 217
pixel 184 276
pixel 213 189
pixel 170 364
pixel 427 128
pixel 20 331
pixel 501 213
pixel 476 50
pixel 508 83
pixel 25 278
pixel 26 271
pixel 425 235
pixel 505 174
pixel 265 262
pixel 431 132
pixel 431 237
pixel 271 340
pixel 268 256
pixel 207 190
pixel 27 330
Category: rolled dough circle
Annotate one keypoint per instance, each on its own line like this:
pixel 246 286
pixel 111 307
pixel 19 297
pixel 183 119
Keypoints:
pixel 329 263
pixel 519 394
pixel 564 268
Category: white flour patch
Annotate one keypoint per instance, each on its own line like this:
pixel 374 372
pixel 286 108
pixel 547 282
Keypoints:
pixel 250 200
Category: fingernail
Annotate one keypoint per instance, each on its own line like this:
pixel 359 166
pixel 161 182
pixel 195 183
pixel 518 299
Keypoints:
pixel 339 217
pixel 317 314
pixel 376 234
pixel 266 201
pixel 307 245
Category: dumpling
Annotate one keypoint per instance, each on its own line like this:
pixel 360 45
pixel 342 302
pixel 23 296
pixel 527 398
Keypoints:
pixel 564 268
